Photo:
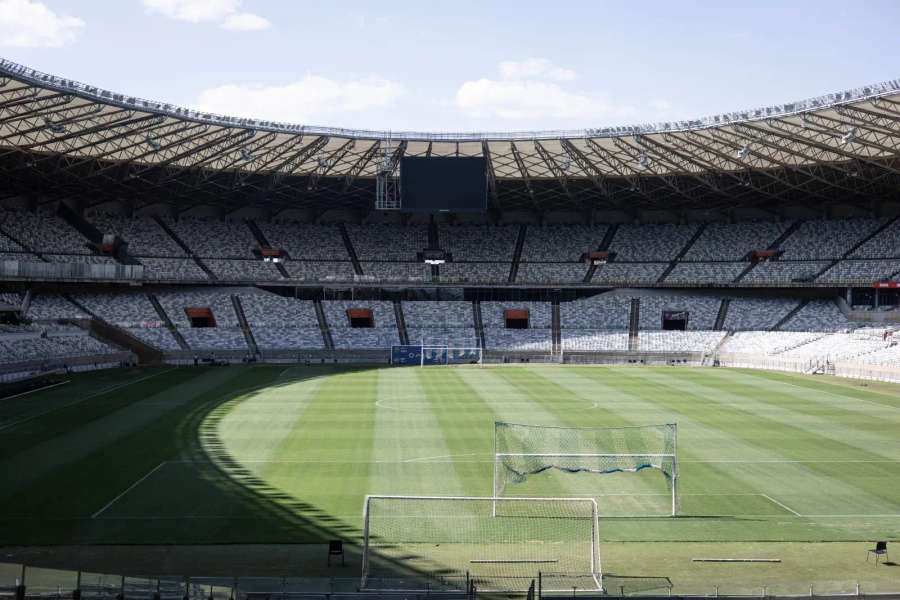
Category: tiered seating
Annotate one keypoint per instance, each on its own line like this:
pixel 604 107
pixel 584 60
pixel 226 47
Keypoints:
pixel 174 301
pixel 479 242
pixel 779 271
pixel 172 269
pixel 885 244
pixel 129 309
pixel 600 312
pixel 889 355
pixel 93 259
pixel 11 299
pixel 519 340
pixel 214 338
pixel 387 242
pixel 818 315
pixel 144 235
pixel 278 322
pixel 440 322
pixel 475 272
pixel 821 239
pixel 616 272
pixel 384 334
pixel 540 314
pixel 538 337
pixel 560 243
pixel 7 244
pixel 320 271
pixel 757 314
pixel 588 340
pixel 678 341
pixel 861 271
pixel 303 241
pixel 733 241
pixel 44 232
pixel 215 238
pixel 767 342
pixel 397 271
pixel 41 346
pixel 242 270
pixel 549 273
pixel 652 242
pixel 158 337
pixel 702 310
pixel 53 306
pixel 705 272
pixel 837 346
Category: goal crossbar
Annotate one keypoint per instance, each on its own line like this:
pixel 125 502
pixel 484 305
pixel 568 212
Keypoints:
pixel 594 574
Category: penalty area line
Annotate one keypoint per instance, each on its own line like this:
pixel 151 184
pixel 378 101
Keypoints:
pixel 781 504
pixel 131 487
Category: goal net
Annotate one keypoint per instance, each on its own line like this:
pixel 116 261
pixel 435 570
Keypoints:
pixel 533 460
pixel 500 544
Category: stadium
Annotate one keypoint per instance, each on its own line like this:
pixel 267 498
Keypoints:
pixel 244 359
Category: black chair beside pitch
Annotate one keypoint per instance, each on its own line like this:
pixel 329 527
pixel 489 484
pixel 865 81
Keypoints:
pixel 879 550
pixel 336 548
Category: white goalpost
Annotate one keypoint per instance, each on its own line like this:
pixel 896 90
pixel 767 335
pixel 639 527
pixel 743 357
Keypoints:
pixel 501 544
pixel 523 452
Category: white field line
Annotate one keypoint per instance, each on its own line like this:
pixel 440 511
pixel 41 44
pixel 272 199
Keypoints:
pixel 131 487
pixel 446 459
pixel 11 424
pixel 781 504
pixel 34 391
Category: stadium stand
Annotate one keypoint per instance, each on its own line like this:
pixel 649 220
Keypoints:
pixel 143 234
pixel 779 271
pixel 479 242
pixel 757 314
pixel 733 241
pixel 701 310
pixel 382 334
pixel 818 315
pixel 537 337
pixel 617 273
pixel 53 306
pixel 561 243
pixel 303 241
pixel 184 269
pixel 320 271
pixel 397 271
pixel 440 323
pixel 824 239
pixel 43 232
pixel 601 312
pixel 242 270
pixel 544 273
pixel 214 238
pixel 861 271
pixel 475 272
pixel 705 272
pixel 387 242
pixel 652 242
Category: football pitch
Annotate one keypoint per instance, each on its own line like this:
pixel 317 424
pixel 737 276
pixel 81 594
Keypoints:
pixel 802 469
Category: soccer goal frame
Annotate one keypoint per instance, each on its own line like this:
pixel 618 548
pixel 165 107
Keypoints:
pixel 519 508
pixel 662 456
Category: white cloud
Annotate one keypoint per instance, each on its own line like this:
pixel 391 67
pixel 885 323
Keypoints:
pixel 533 90
pixel 535 68
pixel 28 24
pixel 312 100
pixel 245 22
pixel 225 12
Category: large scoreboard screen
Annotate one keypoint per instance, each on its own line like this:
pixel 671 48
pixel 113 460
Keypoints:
pixel 443 184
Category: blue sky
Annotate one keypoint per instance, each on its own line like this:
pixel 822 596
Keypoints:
pixel 461 65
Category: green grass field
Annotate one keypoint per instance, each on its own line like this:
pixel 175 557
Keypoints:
pixel 772 465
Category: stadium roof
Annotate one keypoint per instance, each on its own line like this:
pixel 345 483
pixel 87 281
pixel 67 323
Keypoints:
pixel 61 137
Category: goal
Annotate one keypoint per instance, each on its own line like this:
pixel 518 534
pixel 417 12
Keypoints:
pixel 531 460
pixel 500 544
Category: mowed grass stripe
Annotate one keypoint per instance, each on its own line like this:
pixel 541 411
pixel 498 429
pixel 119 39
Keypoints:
pixel 806 487
pixel 255 427
pixel 408 436
pixel 835 404
pixel 109 457
pixel 809 437
pixel 618 404
pixel 874 392
pixel 77 404
pixel 337 430
pixel 467 421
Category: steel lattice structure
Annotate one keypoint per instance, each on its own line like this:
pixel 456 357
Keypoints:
pixel 65 139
